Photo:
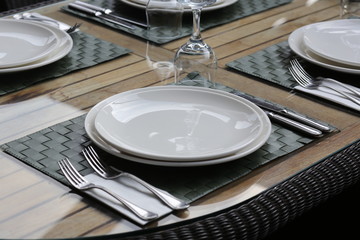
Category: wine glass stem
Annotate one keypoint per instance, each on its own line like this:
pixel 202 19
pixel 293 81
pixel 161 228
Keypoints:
pixel 196 34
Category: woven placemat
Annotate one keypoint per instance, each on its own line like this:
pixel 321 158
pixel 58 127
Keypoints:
pixel 43 149
pixel 272 65
pixel 86 52
pixel 209 19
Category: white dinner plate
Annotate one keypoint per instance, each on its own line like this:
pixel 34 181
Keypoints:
pixel 296 43
pixel 178 123
pixel 217 5
pixel 337 40
pixel 96 138
pixel 65 46
pixel 24 42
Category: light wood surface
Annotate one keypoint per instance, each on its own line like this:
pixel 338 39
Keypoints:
pixel 36 206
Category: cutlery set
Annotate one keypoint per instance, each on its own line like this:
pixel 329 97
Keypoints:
pixel 105 14
pixel 306 81
pixel 111 174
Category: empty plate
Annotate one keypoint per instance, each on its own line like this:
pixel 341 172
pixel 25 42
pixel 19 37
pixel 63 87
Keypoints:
pixel 24 42
pixel 65 46
pixel 337 40
pixel 177 123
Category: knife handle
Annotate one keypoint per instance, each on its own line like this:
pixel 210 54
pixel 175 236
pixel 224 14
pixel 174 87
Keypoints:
pixel 82 8
pixel 93 7
pixel 299 126
pixel 99 15
pixel 307 121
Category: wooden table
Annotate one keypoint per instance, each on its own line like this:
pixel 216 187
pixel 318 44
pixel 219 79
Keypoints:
pixel 36 206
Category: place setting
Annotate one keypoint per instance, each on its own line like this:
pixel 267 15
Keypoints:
pixel 320 59
pixel 35 48
pixel 131 15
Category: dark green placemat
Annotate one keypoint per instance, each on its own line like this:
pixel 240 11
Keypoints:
pixel 86 52
pixel 209 19
pixel 43 149
pixel 272 65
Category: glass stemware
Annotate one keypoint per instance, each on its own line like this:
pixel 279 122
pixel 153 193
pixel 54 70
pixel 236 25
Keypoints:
pixel 195 56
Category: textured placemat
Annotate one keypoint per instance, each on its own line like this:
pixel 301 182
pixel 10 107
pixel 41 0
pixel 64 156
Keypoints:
pixel 271 64
pixel 209 19
pixel 86 52
pixel 43 149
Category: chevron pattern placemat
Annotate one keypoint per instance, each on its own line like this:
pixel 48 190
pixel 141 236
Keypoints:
pixel 43 149
pixel 209 19
pixel 87 51
pixel 272 65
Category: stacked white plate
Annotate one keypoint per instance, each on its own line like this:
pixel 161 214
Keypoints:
pixel 177 126
pixel 332 44
pixel 26 45
pixel 217 5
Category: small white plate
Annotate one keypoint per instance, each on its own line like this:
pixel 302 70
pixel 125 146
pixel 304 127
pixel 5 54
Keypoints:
pixel 337 40
pixel 178 123
pixel 65 46
pixel 24 42
pixel 217 5
pixel 296 43
pixel 96 138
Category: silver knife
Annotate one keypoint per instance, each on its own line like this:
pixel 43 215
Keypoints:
pixel 285 112
pixel 109 12
pixel 100 15
pixel 291 123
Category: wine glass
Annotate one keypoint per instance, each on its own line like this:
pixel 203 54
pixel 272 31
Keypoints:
pixel 195 56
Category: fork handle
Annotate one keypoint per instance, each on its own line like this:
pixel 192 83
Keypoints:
pixel 348 96
pixel 170 200
pixel 140 212
pixel 356 92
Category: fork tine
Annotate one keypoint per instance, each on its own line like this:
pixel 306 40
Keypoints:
pixel 72 170
pixel 301 69
pixel 96 157
pixel 73 28
pixel 297 77
pixel 93 159
pixel 67 173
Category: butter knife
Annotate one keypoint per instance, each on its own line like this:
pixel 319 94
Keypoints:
pixel 285 112
pixel 100 15
pixel 109 12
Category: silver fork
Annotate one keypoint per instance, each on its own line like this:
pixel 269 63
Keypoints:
pixel 306 81
pixel 40 18
pixel 73 28
pixel 79 182
pixel 296 64
pixel 110 173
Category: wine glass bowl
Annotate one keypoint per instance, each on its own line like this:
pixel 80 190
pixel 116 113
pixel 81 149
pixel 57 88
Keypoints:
pixel 195 55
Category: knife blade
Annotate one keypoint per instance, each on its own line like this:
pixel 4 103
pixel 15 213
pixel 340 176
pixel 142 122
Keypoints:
pixel 109 12
pixel 100 15
pixel 282 111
